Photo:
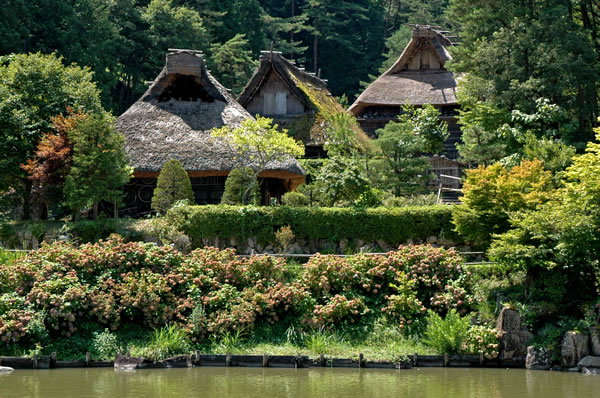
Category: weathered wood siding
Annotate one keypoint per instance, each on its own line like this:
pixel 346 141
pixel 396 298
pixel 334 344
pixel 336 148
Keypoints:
pixel 274 98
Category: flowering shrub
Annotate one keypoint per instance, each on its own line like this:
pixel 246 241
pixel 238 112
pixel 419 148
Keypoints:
pixel 330 275
pixel 482 340
pixel 63 297
pixel 435 272
pixel 13 325
pixel 211 291
pixel 338 309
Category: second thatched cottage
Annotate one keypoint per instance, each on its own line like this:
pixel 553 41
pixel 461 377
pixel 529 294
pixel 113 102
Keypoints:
pixel 297 100
pixel 173 119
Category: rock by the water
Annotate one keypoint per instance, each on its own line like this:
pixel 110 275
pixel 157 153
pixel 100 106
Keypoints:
pixel 131 363
pixel 574 347
pixel 513 339
pixel 589 362
pixel 123 362
pixel 537 359
pixel 590 371
pixel 6 369
pixel 509 320
pixel 595 341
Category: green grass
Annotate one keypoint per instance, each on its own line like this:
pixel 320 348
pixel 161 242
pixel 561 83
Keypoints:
pixel 382 343
pixel 9 257
pixel 165 342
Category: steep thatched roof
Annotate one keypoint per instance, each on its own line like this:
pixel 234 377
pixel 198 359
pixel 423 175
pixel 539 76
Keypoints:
pixel 307 87
pixel 172 120
pixel 418 77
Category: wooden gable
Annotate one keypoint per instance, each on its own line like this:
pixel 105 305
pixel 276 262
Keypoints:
pixel 274 97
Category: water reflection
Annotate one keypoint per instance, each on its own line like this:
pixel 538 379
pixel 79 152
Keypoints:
pixel 311 383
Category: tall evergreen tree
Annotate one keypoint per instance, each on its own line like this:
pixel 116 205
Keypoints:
pixel 233 63
pixel 100 168
pixel 173 185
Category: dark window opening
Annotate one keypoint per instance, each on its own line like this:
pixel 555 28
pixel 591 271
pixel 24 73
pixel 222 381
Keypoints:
pixel 185 88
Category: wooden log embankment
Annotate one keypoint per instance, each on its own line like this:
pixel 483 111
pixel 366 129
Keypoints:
pixel 264 360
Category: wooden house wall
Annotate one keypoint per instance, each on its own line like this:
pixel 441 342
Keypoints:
pixel 424 59
pixel 275 98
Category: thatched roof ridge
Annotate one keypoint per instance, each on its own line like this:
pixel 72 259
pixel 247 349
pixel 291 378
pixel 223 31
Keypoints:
pixel 291 76
pixel 403 83
pixel 311 90
pixel 173 119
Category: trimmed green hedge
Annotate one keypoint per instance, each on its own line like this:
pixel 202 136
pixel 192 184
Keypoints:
pixel 395 226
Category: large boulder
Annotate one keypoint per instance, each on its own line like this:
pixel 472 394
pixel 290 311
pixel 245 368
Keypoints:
pixel 589 362
pixel 538 359
pixel 512 337
pixel 595 340
pixel 574 347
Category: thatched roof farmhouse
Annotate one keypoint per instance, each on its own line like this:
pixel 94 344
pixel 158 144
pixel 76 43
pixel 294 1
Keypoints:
pixel 418 77
pixel 173 119
pixel 297 100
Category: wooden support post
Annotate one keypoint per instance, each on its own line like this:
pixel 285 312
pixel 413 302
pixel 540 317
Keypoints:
pixel 197 358
pixel 446 360
pixel 361 360
pixel 322 360
pixel 88 358
pixel 35 361
pixel 228 360
pixel 53 359
pixel 481 359
pixel 415 359
pixel 265 361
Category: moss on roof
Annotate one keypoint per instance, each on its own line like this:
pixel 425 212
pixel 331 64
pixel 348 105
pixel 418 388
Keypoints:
pixel 308 87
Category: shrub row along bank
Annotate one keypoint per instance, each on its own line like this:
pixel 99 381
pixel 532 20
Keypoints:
pixel 393 225
pixel 213 293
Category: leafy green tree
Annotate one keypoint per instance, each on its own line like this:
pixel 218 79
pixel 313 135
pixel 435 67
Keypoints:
pixel 343 136
pixel 514 52
pixel 491 134
pixel 256 145
pixel 342 180
pixel 173 185
pixel 34 88
pixel 482 144
pixel 403 168
pixel 99 168
pixel 173 26
pixel 233 62
pixel 493 193
pixel 235 187
pixel 558 242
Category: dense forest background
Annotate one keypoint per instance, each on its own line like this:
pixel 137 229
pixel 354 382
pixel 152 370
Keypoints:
pixel 124 41
pixel 512 53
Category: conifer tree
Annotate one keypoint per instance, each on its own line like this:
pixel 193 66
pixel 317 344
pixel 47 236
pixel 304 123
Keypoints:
pixel 99 168
pixel 235 186
pixel 173 185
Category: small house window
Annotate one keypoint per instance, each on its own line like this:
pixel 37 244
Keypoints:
pixel 275 103
pixel 280 103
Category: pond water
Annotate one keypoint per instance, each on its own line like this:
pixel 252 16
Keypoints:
pixel 312 383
